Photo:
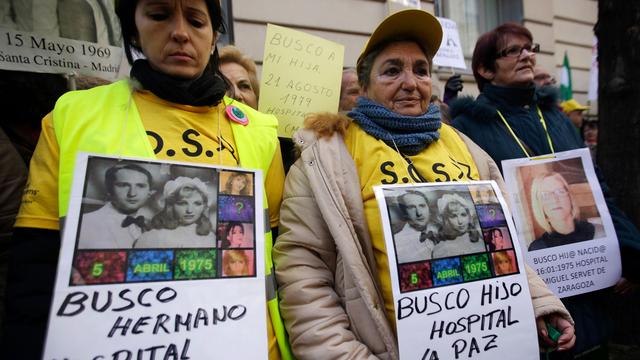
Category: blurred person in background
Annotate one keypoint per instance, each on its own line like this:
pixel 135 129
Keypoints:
pixel 574 111
pixel 452 87
pixel 541 77
pixel 240 70
pixel 349 90
pixel 509 103
pixel 26 98
pixel 590 136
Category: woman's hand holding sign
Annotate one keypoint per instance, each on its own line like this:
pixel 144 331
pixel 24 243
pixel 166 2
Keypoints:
pixel 567 338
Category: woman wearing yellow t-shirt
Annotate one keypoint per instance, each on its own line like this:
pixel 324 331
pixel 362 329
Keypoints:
pixel 173 109
pixel 331 261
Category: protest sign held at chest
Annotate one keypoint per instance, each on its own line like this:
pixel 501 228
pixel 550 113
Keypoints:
pixel 191 285
pixel 458 279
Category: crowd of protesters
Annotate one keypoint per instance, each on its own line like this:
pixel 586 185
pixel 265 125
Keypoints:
pixel 388 112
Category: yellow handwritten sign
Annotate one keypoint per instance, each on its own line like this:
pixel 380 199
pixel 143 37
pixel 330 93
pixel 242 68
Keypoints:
pixel 301 74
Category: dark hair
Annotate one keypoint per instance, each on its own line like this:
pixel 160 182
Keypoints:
pixel 126 11
pixel 401 204
pixel 494 231
pixel 225 243
pixel 488 45
pixel 587 124
pixel 232 225
pixel 166 219
pixel 110 175
pixel 366 64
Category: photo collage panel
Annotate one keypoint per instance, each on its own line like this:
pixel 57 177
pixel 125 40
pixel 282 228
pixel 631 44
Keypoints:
pixel 449 234
pixel 146 222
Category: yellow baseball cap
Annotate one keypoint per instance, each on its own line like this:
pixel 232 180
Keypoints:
pixel 572 105
pixel 415 24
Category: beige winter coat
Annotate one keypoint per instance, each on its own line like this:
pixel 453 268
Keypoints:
pixel 329 296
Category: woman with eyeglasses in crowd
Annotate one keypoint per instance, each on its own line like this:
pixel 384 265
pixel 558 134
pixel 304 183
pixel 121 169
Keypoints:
pixel 510 119
pixel 503 65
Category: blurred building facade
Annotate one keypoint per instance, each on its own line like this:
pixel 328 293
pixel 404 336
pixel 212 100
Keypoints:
pixel 558 25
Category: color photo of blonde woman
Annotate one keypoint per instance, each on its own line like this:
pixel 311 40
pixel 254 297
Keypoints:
pixel 504 263
pixel 237 263
pixel 556 211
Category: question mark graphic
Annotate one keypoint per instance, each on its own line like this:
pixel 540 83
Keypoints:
pixel 239 206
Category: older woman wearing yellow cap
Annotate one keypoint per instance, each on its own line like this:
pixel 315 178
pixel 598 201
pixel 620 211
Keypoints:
pixel 331 261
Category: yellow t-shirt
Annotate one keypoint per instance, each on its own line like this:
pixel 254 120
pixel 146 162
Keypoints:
pixel 176 132
pixel 447 159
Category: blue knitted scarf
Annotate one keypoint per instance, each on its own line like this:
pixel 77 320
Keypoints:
pixel 411 134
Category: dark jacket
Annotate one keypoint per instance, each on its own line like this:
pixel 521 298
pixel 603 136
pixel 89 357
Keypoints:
pixel 13 176
pixel 584 230
pixel 479 120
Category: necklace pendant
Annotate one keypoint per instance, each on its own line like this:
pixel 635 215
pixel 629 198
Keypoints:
pixel 235 114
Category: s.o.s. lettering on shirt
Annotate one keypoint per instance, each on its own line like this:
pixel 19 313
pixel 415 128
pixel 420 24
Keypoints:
pixel 450 170
pixel 191 145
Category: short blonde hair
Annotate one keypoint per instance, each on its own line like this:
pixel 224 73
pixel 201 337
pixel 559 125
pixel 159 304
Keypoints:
pixel 235 255
pixel 501 256
pixel 536 202
pixel 231 54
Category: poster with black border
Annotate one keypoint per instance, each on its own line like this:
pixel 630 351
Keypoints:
pixel 458 279
pixel 563 222
pixel 160 260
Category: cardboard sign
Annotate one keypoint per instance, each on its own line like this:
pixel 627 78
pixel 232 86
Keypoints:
pixel 457 273
pixel 450 52
pixel 160 260
pixel 301 74
pixel 51 37
pixel 563 221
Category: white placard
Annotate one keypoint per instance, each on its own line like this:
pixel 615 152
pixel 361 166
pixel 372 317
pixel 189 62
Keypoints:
pixel 184 287
pixel 79 37
pixel 26 51
pixel 593 72
pixel 563 221
pixel 459 285
pixel 450 52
